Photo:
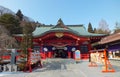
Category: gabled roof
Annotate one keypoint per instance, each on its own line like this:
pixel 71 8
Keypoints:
pixel 78 30
pixel 110 38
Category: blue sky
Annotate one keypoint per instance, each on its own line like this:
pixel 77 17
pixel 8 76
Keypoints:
pixel 70 11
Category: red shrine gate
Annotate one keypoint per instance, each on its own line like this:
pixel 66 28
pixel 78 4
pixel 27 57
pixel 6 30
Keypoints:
pixel 61 45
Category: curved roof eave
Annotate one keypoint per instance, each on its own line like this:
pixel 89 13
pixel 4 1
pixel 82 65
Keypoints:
pixel 82 31
pixel 57 30
pixel 76 30
pixel 86 34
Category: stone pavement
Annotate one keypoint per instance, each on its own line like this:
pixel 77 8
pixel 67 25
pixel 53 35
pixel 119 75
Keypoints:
pixel 65 68
pixel 115 62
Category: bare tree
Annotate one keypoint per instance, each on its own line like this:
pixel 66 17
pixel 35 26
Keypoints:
pixel 117 27
pixel 7 41
pixel 4 10
pixel 103 27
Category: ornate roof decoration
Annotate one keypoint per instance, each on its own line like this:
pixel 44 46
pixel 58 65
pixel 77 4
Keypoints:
pixel 60 24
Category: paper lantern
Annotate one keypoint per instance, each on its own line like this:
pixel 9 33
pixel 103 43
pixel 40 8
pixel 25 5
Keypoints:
pixel 73 49
pixel 45 49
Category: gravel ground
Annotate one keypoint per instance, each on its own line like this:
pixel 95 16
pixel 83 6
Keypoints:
pixel 65 68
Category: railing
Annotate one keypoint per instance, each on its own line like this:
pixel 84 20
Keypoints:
pixel 84 56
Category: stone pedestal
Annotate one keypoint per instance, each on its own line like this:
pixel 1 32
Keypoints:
pixel 4 68
pixel 14 68
pixel 0 68
pixel 9 67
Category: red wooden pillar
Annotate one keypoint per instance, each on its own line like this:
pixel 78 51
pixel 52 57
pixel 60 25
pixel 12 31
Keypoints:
pixel 69 54
pixel 49 54
pixel 52 54
pixel 73 55
pixel 29 59
pixel 43 55
pixel 89 48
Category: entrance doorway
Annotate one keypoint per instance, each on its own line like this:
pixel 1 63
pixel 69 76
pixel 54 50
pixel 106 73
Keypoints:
pixel 60 53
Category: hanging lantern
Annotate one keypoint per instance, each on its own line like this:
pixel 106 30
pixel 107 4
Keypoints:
pixel 45 49
pixel 117 51
pixel 65 48
pixel 53 48
pixel 73 49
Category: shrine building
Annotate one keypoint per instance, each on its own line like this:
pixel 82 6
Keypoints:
pixel 112 43
pixel 61 41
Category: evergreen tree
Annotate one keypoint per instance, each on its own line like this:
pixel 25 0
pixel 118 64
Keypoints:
pixel 11 23
pixel 90 29
pixel 20 15
pixel 27 37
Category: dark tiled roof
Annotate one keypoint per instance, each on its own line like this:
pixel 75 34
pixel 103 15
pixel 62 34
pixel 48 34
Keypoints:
pixel 110 38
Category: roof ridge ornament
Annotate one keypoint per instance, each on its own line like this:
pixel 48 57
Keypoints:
pixel 60 24
pixel 60 21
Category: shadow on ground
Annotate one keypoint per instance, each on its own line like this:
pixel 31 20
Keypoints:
pixel 55 65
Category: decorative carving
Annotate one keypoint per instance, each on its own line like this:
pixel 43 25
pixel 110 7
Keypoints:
pixel 65 48
pixel 59 34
